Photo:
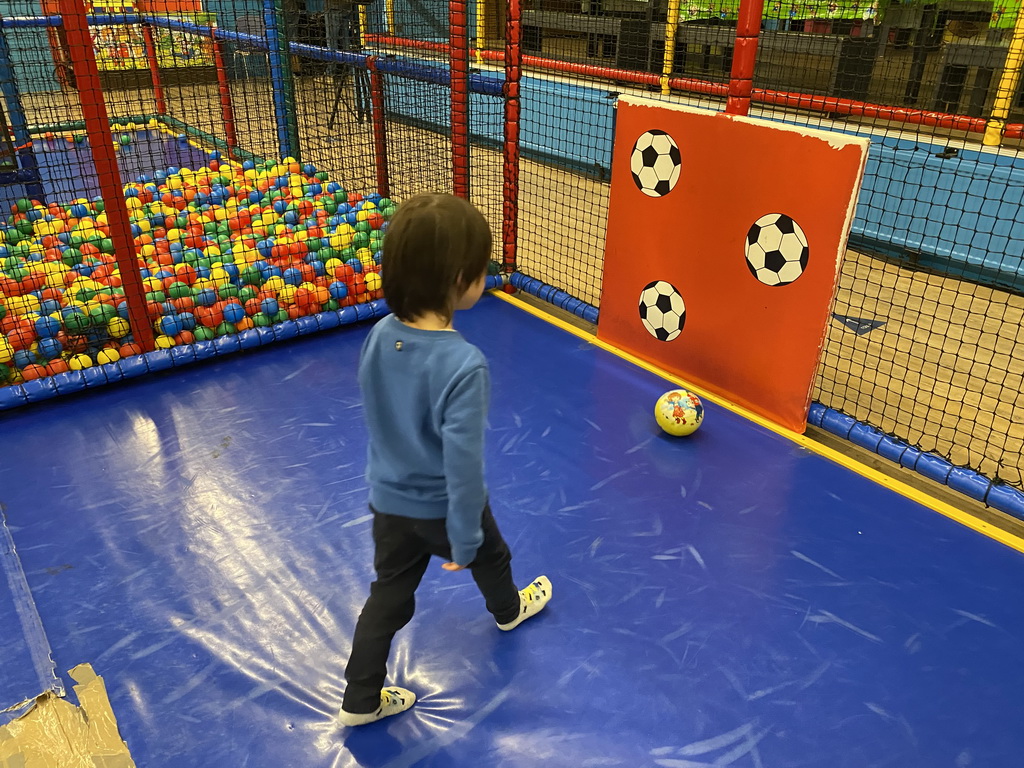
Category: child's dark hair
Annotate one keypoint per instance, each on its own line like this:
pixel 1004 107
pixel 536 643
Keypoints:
pixel 436 246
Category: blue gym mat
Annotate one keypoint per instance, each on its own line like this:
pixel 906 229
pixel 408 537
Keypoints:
pixel 201 537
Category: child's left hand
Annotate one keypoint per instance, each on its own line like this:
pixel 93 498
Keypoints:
pixel 453 567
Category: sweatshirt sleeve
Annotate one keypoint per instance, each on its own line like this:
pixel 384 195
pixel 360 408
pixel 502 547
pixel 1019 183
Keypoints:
pixel 462 435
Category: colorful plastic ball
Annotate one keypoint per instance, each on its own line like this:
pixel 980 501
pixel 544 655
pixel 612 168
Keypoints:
pixel 206 297
pixel 373 282
pixel 128 350
pixel 269 306
pixel 118 328
pixel 23 358
pixel 679 412
pixel 169 325
pixel 49 348
pixel 105 356
pixel 202 333
pixel 32 371
pixel 6 350
pixel 338 290
pixel 80 362
pixel 76 321
pixel 47 327
pixel 233 312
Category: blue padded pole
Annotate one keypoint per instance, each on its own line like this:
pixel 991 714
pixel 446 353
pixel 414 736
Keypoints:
pixel 19 124
pixel 281 79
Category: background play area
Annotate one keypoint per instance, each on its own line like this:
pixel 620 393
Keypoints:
pixel 195 194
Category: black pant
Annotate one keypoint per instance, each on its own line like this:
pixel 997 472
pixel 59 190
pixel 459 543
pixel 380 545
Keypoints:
pixel 402 550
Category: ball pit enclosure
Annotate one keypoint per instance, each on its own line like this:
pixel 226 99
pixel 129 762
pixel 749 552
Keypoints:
pixel 222 248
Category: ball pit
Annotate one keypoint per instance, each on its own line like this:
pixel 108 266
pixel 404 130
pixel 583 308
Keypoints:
pixel 222 249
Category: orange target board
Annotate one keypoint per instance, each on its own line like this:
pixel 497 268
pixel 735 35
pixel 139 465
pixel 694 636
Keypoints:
pixel 725 239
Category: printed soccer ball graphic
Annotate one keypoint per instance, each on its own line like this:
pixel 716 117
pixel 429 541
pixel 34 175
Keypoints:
pixel 655 163
pixel 776 249
pixel 662 310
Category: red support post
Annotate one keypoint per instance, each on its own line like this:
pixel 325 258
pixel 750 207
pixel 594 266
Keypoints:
pixel 458 57
pixel 224 88
pixel 101 142
pixel 154 69
pixel 510 148
pixel 380 130
pixel 744 58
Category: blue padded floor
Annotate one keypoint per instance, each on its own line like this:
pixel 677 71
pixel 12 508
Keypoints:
pixel 731 599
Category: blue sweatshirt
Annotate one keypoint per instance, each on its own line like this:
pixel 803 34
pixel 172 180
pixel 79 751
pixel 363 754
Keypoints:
pixel 426 395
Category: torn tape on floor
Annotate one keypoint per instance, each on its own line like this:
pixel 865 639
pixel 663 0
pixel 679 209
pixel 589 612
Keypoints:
pixel 54 733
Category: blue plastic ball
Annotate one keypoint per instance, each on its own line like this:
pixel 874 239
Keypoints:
pixel 206 297
pixel 49 348
pixel 171 325
pixel 234 312
pixel 47 327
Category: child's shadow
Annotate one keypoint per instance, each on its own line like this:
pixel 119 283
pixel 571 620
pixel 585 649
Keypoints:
pixel 372 746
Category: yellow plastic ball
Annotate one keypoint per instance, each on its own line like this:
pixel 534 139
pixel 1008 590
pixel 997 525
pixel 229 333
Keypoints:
pixel 373 281
pixel 287 294
pixel 80 362
pixel 6 350
pixel 107 356
pixel 118 328
pixel 679 412
pixel 164 342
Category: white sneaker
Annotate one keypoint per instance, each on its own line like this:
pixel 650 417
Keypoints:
pixel 531 601
pixel 392 701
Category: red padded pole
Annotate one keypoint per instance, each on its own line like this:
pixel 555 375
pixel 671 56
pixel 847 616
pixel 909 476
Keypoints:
pixel 510 148
pixel 380 128
pixel 744 58
pixel 458 56
pixel 101 142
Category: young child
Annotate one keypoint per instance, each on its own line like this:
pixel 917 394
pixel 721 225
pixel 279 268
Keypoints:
pixel 425 391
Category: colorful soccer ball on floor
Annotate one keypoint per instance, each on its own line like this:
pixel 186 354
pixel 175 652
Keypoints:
pixel 679 412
